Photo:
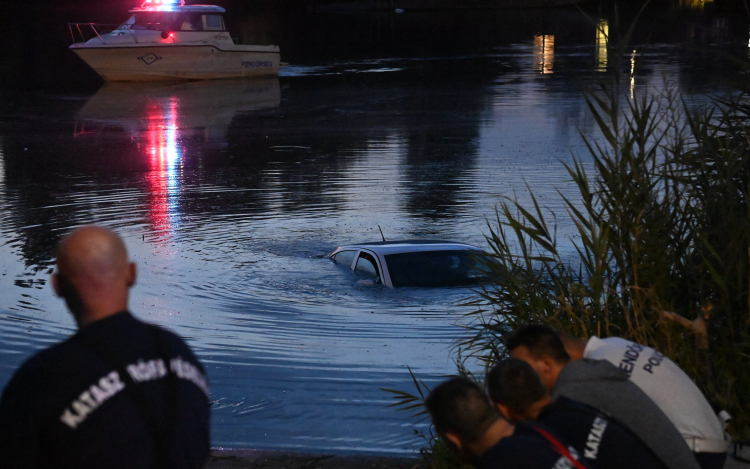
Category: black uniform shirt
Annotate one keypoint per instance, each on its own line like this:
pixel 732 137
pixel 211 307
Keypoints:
pixel 67 406
pixel 526 449
pixel 600 439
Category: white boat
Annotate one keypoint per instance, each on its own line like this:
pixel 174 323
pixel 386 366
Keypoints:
pixel 168 40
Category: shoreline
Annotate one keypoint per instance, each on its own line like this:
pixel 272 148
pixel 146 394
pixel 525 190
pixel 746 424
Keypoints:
pixel 261 459
pixel 267 459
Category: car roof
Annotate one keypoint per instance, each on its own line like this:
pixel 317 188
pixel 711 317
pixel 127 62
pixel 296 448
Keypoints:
pixel 394 247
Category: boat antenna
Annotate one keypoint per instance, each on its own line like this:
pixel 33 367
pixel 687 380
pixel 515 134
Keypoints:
pixel 381 233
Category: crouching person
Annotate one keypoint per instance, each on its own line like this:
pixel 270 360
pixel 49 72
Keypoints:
pixel 668 386
pixel 603 386
pixel 474 431
pixel 517 392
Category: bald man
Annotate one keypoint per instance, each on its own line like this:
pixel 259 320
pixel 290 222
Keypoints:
pixel 119 393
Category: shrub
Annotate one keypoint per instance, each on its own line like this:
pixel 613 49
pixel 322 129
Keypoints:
pixel 660 250
pixel 662 244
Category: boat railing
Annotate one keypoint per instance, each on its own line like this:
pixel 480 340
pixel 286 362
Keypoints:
pixel 87 31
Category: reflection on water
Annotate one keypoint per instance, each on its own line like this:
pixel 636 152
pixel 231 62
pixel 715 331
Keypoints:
pixel 200 104
pixel 2 185
pixel 697 4
pixel 544 50
pixel 171 114
pixel 602 38
pixel 2 168
pixel 165 158
pixel 227 194
pixel 632 74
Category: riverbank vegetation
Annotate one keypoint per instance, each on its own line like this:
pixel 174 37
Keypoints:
pixel 660 243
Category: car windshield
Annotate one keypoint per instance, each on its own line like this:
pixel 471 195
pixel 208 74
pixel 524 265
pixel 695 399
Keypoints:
pixel 438 268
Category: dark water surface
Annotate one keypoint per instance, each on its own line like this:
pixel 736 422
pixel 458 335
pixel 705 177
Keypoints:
pixel 228 194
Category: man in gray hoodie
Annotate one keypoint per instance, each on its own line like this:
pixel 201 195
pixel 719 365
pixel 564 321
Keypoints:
pixel 602 386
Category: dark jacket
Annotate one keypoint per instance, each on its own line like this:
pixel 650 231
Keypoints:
pixel 600 439
pixel 69 406
pixel 526 448
pixel 603 386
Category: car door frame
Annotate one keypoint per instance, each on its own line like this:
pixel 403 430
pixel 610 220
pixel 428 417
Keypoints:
pixel 385 277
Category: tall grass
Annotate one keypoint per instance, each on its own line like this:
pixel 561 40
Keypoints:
pixel 661 244
pixel 661 241
pixel 660 250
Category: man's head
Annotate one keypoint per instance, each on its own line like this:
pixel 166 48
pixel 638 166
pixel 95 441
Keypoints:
pixel 541 347
pixel 93 274
pixel 516 390
pixel 462 416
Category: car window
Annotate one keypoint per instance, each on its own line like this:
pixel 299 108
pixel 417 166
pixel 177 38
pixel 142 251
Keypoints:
pixel 366 266
pixel 345 258
pixel 438 268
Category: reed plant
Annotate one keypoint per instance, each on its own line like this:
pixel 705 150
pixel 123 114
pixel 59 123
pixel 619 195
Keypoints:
pixel 660 250
pixel 660 246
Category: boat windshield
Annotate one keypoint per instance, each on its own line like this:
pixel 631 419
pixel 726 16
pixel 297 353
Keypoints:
pixel 174 21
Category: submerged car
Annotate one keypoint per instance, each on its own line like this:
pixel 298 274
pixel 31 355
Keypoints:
pixel 415 263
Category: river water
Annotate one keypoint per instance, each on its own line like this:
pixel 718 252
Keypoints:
pixel 229 193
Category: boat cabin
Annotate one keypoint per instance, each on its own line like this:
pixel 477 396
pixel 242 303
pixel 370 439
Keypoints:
pixel 166 15
pixel 167 40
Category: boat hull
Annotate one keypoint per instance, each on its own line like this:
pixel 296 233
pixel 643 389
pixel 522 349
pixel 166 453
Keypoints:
pixel 179 62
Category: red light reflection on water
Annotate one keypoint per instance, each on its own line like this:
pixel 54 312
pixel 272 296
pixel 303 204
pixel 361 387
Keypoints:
pixel 165 158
